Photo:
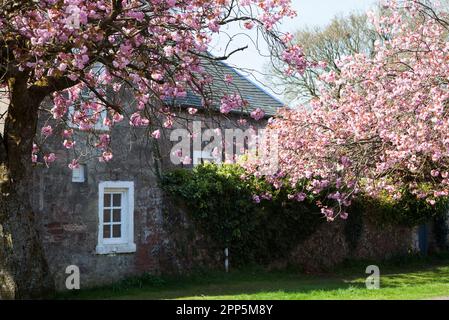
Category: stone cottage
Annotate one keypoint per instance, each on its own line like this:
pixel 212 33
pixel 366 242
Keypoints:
pixel 111 219
pixel 108 218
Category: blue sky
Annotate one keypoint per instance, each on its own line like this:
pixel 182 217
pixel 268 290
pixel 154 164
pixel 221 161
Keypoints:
pixel 310 13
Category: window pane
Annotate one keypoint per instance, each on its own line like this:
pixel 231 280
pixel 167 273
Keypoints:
pixel 116 231
pixel 107 215
pixel 116 215
pixel 107 200
pixel 117 202
pixel 106 231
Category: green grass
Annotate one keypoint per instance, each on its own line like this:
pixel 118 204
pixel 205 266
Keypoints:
pixel 407 279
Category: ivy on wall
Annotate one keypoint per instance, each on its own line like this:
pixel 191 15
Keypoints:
pixel 220 204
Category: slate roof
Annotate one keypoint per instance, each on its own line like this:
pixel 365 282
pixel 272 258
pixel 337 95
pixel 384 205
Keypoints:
pixel 256 96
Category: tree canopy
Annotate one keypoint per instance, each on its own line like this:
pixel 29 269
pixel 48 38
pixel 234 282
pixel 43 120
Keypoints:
pixel 386 131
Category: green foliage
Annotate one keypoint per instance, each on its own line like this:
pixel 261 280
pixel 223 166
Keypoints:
pixel 408 211
pixel 220 203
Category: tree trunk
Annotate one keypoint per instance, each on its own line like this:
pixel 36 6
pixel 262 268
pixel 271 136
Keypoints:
pixel 23 269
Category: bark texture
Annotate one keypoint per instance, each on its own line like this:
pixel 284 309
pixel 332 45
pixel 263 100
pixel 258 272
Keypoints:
pixel 24 271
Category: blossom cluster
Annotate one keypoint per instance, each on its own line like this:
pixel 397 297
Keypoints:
pixel 155 47
pixel 387 129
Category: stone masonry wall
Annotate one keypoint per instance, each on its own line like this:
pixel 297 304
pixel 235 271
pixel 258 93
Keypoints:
pixel 67 212
pixel 328 247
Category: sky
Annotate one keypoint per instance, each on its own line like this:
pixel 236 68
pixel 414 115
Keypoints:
pixel 252 62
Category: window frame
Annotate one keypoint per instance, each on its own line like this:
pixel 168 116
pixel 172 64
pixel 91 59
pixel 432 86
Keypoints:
pixel 98 126
pixel 200 157
pixel 124 244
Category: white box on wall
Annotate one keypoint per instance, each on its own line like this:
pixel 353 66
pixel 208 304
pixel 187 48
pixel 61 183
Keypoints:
pixel 79 174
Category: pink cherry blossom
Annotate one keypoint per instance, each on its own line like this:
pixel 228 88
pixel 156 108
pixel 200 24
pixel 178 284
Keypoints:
pixel 68 144
pixel 156 134
pixel 228 78
pixel 231 102
pixel 153 48
pixel 74 164
pixel 388 128
pixel 49 158
pixel 47 131
pixel 258 114
pixel 192 110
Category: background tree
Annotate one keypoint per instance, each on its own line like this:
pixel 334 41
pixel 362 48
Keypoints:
pixel 343 36
pixel 70 50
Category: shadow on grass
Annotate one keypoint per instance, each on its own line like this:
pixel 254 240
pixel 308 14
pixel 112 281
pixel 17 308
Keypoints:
pixel 348 277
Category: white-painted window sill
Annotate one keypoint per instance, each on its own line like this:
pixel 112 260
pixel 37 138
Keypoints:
pixel 116 248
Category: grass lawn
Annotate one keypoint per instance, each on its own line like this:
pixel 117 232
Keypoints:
pixel 413 279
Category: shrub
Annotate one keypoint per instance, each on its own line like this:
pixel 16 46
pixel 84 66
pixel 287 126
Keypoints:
pixel 220 204
pixel 408 211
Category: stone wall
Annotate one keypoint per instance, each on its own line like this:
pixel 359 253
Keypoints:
pixel 67 212
pixel 166 242
pixel 328 246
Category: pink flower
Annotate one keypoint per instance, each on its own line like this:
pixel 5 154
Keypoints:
pixel 67 133
pixel 249 25
pixel 106 156
pixel 214 26
pixel 186 161
pixel 137 120
pixel 156 134
pixel 169 51
pixel 257 114
pixel 178 153
pixel 170 3
pixel 62 67
pixel 231 102
pixel 256 199
pixel 344 215
pixel 104 142
pixel 117 117
pixel 47 131
pixel 50 158
pixel 68 144
pixel 300 197
pixel 228 78
pixel 192 110
pixel 168 123
pixel 74 164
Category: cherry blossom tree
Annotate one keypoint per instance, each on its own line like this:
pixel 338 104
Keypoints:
pixel 385 130
pixel 76 52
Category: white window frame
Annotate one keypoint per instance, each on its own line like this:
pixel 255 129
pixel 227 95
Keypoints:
pixel 98 126
pixel 200 157
pixel 126 243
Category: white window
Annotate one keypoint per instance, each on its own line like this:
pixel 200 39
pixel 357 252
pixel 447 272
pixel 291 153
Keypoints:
pixel 99 125
pixel 200 157
pixel 116 217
